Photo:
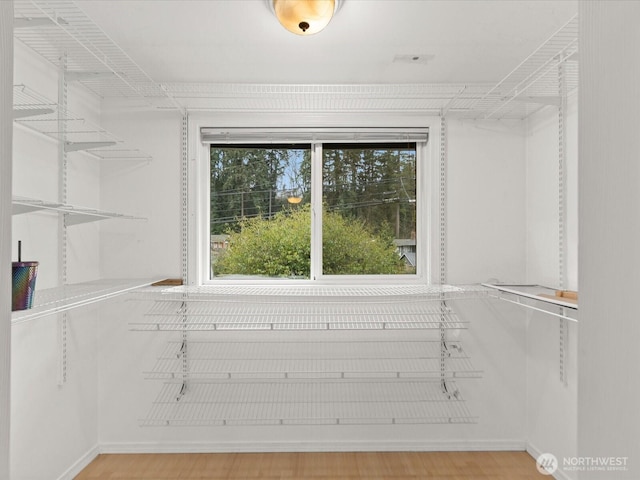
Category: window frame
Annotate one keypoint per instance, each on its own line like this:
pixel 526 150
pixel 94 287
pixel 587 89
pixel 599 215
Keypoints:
pixel 198 190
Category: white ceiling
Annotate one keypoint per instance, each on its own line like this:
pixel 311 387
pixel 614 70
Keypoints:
pixel 240 41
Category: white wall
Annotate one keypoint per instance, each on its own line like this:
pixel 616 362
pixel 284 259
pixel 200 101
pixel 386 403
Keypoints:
pixel 150 248
pixel 6 137
pixel 542 240
pixel 609 142
pixel 55 424
pixel 485 202
pixel 35 175
pixel 551 403
pixel 496 339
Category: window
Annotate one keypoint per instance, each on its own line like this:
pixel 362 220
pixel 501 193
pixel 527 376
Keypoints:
pixel 369 209
pixel 317 209
pixel 260 221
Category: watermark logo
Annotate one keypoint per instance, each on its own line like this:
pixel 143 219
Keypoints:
pixel 595 464
pixel 547 463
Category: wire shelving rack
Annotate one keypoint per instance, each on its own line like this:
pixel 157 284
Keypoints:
pixel 307 403
pixel 46 117
pixel 533 84
pixel 308 355
pixel 57 29
pixel 355 359
pixel 236 307
pixel 74 214
pixel 67 297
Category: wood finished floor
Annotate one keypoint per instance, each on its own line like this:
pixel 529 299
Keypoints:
pixel 315 466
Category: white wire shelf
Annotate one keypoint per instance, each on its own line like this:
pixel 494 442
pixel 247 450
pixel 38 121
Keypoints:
pixel 536 297
pixel 285 315
pixel 41 115
pixel 533 84
pixel 243 307
pixel 307 403
pixel 74 214
pixel 57 29
pixel 60 299
pixel 27 103
pixel 428 98
pixel 313 360
pixel 329 293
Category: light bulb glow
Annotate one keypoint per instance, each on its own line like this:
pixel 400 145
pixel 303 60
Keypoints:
pixel 304 17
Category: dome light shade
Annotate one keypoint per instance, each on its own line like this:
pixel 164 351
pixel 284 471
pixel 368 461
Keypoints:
pixel 304 17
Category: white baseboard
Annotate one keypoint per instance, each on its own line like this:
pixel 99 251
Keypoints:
pixel 249 447
pixel 558 474
pixel 80 464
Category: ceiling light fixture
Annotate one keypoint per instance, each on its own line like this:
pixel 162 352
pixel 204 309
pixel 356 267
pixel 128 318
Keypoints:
pixel 304 17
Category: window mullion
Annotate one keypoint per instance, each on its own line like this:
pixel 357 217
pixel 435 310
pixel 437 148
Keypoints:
pixel 316 210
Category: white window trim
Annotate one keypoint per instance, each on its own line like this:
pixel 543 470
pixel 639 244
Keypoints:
pixel 427 196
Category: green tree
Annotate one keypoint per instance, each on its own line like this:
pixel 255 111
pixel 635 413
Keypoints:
pixel 244 183
pixel 280 247
pixel 375 184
